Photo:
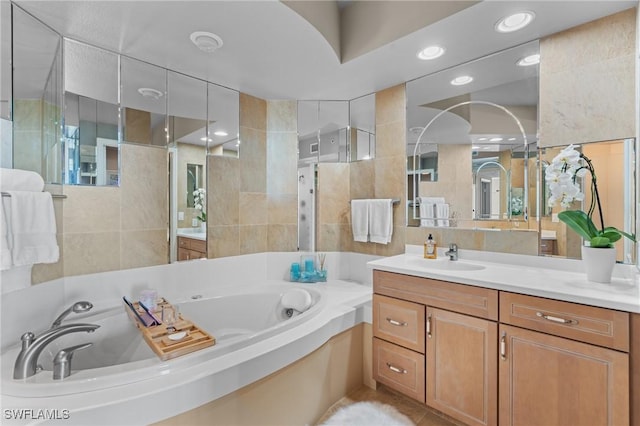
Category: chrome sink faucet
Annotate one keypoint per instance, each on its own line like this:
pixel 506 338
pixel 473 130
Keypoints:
pixel 453 251
pixel 27 361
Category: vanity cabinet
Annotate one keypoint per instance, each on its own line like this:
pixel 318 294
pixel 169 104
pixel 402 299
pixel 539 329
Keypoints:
pixel 456 344
pixel 533 361
pixel 191 248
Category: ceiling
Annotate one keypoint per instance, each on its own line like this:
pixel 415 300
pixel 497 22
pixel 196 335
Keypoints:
pixel 271 52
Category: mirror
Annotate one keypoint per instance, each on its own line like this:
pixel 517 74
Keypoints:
pixel 91 119
pixel 37 98
pixel 468 144
pixel 614 162
pixel 322 132
pixel 187 117
pixel 362 130
pixel 223 119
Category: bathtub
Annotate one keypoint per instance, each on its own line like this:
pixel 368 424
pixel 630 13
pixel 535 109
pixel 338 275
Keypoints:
pixel 237 317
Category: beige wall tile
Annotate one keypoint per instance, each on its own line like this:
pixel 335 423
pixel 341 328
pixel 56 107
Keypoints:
pixel 333 193
pixel 223 241
pixel 515 242
pixel 253 160
pixel 282 116
pixel 91 209
pixel 253 239
pixel 390 105
pixel 89 253
pixel 283 209
pixel 396 246
pixel 223 197
pixel 253 112
pixel 361 179
pixel 253 208
pixel 282 237
pixel 282 163
pixel 43 272
pixel 143 248
pixel 144 187
pixel 391 139
pixel 390 177
pixel 334 237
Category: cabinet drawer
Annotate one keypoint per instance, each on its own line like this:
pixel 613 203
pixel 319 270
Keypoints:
pixel 399 368
pixel 198 245
pixel 183 242
pixel 399 321
pixel 599 326
pixel 465 299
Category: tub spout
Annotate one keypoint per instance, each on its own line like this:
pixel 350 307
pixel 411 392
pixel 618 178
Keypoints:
pixel 32 347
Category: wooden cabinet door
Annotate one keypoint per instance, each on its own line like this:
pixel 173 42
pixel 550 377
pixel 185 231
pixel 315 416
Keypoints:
pixel 548 380
pixel 462 356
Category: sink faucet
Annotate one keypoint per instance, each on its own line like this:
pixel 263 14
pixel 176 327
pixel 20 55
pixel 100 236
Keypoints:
pixel 27 360
pixel 77 308
pixel 453 251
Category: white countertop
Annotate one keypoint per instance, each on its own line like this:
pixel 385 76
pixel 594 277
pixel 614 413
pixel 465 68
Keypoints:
pixel 195 233
pixel 554 278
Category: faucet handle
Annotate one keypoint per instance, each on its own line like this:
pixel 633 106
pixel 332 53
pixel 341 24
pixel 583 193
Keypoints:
pixel 453 247
pixel 27 339
pixel 62 361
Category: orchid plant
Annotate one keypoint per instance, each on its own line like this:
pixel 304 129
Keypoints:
pixel 199 199
pixel 561 176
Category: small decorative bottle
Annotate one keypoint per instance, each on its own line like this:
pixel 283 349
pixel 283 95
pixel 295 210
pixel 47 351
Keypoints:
pixel 430 248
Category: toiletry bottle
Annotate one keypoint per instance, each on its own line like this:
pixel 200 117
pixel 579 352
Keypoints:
pixel 430 248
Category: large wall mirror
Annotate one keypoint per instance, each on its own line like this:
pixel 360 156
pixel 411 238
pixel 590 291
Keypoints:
pixel 470 130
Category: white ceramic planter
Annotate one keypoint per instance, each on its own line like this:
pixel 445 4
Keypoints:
pixel 599 263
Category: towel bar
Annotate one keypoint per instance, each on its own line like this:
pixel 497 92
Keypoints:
pixel 6 194
pixel 394 201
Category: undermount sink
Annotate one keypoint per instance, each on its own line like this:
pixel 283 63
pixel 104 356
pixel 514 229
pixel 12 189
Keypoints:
pixel 444 264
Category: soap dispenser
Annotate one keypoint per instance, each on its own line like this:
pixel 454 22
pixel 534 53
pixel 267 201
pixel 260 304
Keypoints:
pixel 430 248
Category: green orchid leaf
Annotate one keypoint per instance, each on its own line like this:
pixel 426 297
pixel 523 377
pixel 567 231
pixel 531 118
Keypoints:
pixel 580 222
pixel 612 234
pixel 600 242
pixel 632 237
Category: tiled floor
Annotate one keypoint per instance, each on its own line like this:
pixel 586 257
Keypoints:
pixel 418 413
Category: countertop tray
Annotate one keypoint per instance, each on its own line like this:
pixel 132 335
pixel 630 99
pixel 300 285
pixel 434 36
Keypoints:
pixel 157 336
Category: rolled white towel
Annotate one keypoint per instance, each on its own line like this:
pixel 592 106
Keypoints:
pixel 296 299
pixel 20 180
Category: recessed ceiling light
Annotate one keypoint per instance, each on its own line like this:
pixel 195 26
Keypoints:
pixel 475 147
pixel 221 133
pixel 416 130
pixel 463 79
pixel 514 22
pixel 431 52
pixel 495 140
pixel 150 93
pixel 482 139
pixel 206 41
pixel 512 139
pixel 529 60
pixel 206 139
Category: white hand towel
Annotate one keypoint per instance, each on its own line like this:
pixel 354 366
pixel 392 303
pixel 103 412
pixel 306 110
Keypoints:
pixel 360 220
pixel 442 214
pixel 32 231
pixel 380 221
pixel 20 180
pixel 427 213
pixel 5 218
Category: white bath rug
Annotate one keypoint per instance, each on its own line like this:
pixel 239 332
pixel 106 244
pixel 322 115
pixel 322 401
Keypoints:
pixel 368 414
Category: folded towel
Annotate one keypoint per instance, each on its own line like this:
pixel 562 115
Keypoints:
pixel 442 214
pixel 5 218
pixel 296 299
pixel 20 180
pixel 32 230
pixel 380 220
pixel 427 213
pixel 360 220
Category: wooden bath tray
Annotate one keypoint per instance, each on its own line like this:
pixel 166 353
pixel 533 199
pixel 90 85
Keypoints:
pixel 157 336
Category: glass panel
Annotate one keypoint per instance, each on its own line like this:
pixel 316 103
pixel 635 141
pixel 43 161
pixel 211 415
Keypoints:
pixel 5 65
pixel 224 121
pixel 144 103
pixel 36 97
pixel 333 118
pixel 91 115
pixel 362 132
pixel 308 132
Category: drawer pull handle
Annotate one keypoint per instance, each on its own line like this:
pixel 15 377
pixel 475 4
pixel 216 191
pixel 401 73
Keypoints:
pixel 396 369
pixel 429 326
pixel 503 347
pixel 556 319
pixel 398 323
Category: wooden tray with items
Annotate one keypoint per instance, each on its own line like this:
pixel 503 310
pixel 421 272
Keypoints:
pixel 185 336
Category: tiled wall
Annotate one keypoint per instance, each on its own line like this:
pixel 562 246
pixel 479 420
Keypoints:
pixel 252 199
pixel 27 135
pixel 110 228
pixel 588 83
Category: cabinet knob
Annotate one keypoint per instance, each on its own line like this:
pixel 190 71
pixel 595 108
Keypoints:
pixel 398 323
pixel 429 326
pixel 556 319
pixel 503 347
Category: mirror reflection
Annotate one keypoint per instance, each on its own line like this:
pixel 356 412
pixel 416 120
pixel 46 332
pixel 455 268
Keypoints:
pixel 223 118
pixel 91 115
pixel 362 130
pixel 468 144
